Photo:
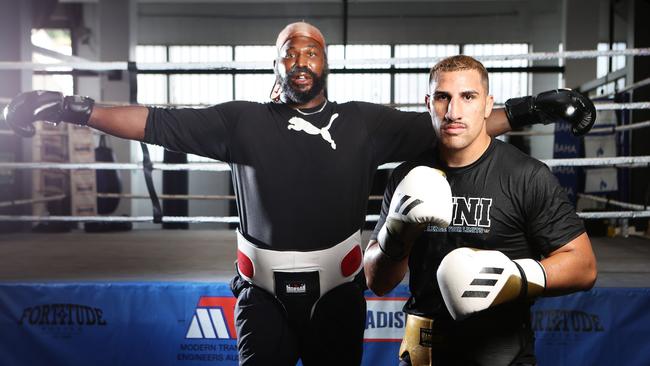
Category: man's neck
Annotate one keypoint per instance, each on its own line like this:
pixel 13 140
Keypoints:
pixel 318 100
pixel 466 156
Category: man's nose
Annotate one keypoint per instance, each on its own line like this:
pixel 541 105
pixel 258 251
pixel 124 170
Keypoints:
pixel 302 60
pixel 454 110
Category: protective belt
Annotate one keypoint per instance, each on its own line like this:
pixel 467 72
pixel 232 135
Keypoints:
pixel 299 278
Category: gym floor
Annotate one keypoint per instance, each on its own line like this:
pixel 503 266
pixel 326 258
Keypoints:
pixel 209 255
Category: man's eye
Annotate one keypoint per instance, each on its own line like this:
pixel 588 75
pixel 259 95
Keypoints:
pixel 469 96
pixel 440 97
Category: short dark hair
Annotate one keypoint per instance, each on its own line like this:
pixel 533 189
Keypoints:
pixel 459 63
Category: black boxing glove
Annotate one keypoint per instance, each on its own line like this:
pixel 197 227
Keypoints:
pixel 550 107
pixel 41 105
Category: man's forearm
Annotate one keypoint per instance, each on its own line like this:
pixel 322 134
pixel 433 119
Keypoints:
pixel 125 122
pixel 382 272
pixel 497 122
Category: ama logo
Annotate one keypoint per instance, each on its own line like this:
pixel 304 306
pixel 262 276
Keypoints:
pixel 214 318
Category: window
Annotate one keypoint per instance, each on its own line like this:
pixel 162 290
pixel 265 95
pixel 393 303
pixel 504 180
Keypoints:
pixel 254 87
pixel 378 87
pixel 503 85
pixel 152 89
pixel 411 88
pixel 200 88
pixel 603 68
pixel 182 89
pixel 57 41
pixel 375 88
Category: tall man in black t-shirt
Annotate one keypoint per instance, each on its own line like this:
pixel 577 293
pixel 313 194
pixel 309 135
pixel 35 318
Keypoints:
pixel 302 169
pixel 472 306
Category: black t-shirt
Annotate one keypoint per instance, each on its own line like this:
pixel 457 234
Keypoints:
pixel 302 181
pixel 505 201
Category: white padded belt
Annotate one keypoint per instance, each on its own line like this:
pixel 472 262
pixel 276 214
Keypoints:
pixel 327 262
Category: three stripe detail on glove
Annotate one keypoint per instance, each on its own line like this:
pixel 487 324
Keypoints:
pixel 409 207
pixel 483 282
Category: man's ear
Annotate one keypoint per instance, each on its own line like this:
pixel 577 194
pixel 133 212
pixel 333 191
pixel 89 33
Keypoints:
pixel 489 104
pixel 427 98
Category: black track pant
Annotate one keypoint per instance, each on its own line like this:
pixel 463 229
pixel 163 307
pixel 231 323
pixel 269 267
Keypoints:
pixel 333 336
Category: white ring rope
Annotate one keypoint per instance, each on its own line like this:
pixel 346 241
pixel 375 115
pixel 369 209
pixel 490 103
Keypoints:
pixel 628 161
pixel 104 66
pixel 632 86
pixel 631 206
pixel 32 200
pixel 207 197
pixel 614 215
pixel 235 219
pixel 621 106
pixel 609 129
pixel 203 167
pixel 599 106
pixel 165 219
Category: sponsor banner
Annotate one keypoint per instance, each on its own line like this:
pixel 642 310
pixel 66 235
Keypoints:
pixel 179 323
pixel 567 146
pixel 117 324
pixel 600 146
pixel 600 180
pixel 385 319
pixel 604 326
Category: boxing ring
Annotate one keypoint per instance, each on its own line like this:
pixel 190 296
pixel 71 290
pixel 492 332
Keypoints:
pixel 154 297
pixel 162 297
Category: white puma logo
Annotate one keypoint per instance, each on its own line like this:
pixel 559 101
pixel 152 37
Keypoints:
pixel 299 124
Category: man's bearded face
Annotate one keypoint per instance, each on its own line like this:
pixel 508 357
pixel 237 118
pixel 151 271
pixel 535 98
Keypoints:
pixel 294 88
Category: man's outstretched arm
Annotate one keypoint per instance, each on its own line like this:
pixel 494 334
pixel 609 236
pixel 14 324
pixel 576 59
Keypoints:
pixel 497 123
pixel 125 122
pixel 548 107
pixel 28 107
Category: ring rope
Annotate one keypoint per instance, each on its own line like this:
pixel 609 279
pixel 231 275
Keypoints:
pixel 599 105
pixel 203 167
pixel 235 219
pixel 632 206
pixel 628 161
pixel 632 86
pixel 207 197
pixel 609 129
pixel 621 106
pixel 32 200
pixel 121 65
pixel 165 219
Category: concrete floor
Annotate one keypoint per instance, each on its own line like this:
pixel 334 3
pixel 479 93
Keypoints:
pixel 204 255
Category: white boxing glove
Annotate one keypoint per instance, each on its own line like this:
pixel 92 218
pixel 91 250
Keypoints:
pixel 423 197
pixel 472 280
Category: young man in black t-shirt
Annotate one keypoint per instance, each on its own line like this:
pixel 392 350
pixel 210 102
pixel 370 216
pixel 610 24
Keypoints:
pixel 302 169
pixel 472 306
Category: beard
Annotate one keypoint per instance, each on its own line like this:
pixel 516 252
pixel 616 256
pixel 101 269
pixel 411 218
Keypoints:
pixel 294 95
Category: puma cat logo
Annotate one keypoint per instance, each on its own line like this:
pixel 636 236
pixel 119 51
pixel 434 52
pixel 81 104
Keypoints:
pixel 299 124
